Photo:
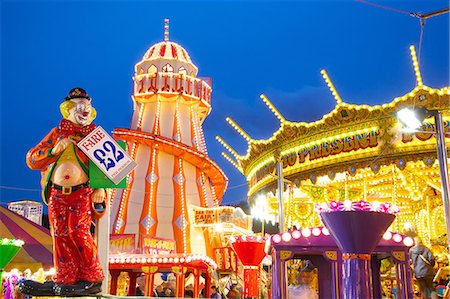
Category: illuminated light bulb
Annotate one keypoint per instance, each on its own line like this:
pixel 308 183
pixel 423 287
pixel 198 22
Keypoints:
pixel 375 206
pixel 182 260
pixel 160 260
pixel 296 234
pixel 276 239
pixel 286 237
pixel 111 260
pixel 316 231
pixel 117 260
pixel 133 260
pixel 387 235
pixel 397 238
pixel 127 260
pixel 188 260
pixel 170 259
pixel 306 232
pixel 347 205
pixel 408 241
pixel 325 231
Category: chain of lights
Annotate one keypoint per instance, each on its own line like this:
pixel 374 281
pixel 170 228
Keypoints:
pixel 202 135
pixel 120 220
pixel 152 187
pixel 214 196
pixel 182 259
pixel 203 183
pixel 12 242
pixel 141 115
pixel 416 65
pixel 318 231
pixel 194 129
pixel 156 127
pixel 362 205
pixel 331 87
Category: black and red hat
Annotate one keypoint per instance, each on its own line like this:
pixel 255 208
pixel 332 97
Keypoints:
pixel 77 93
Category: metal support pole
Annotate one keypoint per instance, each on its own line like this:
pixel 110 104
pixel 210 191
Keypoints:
pixel 280 196
pixel 443 168
pixel 102 236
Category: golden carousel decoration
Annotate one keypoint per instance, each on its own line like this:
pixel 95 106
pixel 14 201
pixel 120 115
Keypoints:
pixel 354 152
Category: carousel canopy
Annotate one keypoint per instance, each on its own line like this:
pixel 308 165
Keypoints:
pixel 37 251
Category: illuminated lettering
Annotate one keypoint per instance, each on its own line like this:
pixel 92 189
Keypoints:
pixel 326 149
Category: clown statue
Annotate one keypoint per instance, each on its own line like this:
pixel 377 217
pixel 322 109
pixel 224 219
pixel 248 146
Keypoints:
pixel 65 182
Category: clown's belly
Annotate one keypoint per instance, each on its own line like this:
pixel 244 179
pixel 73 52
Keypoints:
pixel 68 174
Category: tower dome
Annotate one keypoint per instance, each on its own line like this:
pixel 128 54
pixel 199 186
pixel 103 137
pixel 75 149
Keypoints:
pixel 167 57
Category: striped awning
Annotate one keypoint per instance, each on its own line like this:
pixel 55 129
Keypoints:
pixel 37 251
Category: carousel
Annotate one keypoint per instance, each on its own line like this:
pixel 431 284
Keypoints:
pixel 355 153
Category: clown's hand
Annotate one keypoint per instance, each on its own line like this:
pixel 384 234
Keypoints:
pixel 61 145
pixel 98 196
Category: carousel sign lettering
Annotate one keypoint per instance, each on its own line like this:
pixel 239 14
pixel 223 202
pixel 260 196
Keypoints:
pixel 322 150
pixel 427 131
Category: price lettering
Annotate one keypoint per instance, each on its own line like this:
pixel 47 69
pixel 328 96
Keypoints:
pixel 104 155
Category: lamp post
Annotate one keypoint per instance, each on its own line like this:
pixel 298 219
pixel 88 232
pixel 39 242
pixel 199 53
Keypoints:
pixel 412 121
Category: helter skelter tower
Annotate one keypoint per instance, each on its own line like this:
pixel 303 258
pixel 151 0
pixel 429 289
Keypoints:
pixel 166 140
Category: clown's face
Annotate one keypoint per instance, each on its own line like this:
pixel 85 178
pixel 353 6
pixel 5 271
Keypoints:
pixel 80 113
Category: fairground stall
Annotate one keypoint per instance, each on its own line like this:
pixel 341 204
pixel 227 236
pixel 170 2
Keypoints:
pixel 156 262
pixel 355 152
pixel 314 265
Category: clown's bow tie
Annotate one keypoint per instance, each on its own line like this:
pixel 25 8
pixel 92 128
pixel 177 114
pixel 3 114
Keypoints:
pixel 67 127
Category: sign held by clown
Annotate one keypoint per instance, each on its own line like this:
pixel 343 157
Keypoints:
pixel 104 151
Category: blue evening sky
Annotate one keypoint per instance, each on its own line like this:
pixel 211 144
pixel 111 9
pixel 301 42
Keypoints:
pixel 246 47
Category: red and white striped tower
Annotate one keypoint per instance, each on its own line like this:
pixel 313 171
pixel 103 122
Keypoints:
pixel 166 140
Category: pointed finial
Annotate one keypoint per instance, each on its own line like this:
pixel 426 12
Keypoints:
pixel 227 146
pixel 331 87
pixel 166 30
pixel 229 159
pixel 273 109
pixel 416 65
pixel 238 129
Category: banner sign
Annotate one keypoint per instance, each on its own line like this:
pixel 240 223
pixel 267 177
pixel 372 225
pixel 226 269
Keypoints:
pixel 211 216
pixel 122 243
pixel 106 153
pixel 154 245
pixel 205 216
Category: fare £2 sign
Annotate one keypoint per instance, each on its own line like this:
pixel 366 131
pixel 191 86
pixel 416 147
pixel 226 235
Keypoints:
pixel 104 151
